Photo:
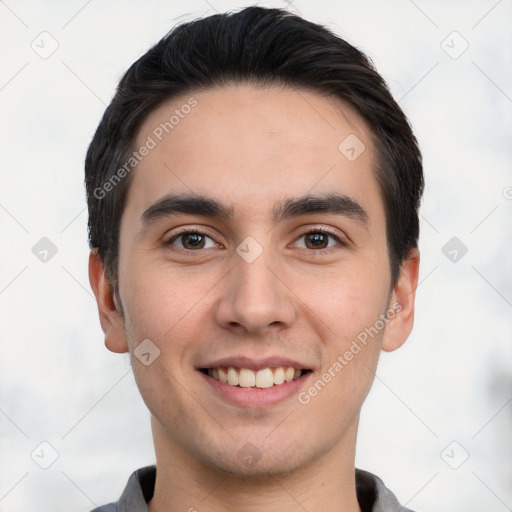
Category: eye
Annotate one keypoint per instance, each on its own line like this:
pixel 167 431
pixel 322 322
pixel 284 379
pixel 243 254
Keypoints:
pixel 192 241
pixel 318 239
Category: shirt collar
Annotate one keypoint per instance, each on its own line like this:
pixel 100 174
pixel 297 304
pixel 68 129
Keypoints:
pixel 372 494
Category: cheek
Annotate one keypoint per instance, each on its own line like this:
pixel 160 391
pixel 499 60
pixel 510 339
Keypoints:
pixel 149 312
pixel 346 302
pixel 348 317
pixel 160 307
pixel 164 305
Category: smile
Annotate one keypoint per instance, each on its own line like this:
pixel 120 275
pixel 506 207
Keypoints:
pixel 247 378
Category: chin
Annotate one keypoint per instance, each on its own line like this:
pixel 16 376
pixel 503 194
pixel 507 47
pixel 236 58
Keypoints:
pixel 261 470
pixel 259 460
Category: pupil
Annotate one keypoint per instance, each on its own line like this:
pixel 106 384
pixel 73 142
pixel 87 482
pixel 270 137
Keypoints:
pixel 316 239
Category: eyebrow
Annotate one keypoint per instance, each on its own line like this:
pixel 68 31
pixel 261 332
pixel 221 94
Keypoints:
pixel 192 204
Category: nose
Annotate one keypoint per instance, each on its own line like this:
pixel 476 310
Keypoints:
pixel 256 297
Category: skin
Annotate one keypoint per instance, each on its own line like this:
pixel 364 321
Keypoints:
pixel 252 147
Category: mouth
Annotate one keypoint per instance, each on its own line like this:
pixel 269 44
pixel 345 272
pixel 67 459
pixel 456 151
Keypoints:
pixel 255 382
pixel 263 378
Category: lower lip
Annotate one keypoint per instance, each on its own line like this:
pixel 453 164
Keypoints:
pixel 256 397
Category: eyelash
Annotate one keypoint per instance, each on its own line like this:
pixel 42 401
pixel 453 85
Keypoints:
pixel 323 230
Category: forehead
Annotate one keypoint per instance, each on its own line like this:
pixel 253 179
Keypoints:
pixel 253 146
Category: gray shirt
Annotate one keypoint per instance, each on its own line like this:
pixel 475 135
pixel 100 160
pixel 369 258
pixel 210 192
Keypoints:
pixel 372 494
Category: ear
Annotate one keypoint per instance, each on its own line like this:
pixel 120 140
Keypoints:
pixel 111 318
pixel 402 304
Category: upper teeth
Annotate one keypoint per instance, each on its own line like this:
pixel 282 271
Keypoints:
pixel 245 378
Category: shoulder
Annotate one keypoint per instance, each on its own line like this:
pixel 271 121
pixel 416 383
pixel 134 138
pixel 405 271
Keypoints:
pixel 111 507
pixel 374 496
pixel 138 491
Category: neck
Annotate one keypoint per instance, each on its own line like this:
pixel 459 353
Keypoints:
pixel 184 483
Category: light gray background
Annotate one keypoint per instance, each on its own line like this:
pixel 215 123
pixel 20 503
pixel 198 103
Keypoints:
pixel 451 382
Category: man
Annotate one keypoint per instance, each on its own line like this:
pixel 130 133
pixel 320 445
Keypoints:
pixel 253 194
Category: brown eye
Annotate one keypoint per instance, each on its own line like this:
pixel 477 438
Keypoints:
pixel 192 241
pixel 316 240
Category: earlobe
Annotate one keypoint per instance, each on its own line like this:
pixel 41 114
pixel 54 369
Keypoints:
pixel 402 303
pixel 110 311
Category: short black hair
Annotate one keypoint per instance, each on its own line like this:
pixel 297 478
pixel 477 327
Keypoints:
pixel 266 47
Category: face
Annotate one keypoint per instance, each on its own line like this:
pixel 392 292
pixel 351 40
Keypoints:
pixel 253 249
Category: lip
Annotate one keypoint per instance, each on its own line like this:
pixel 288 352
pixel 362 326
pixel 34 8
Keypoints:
pixel 255 397
pixel 254 363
